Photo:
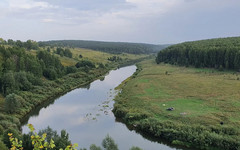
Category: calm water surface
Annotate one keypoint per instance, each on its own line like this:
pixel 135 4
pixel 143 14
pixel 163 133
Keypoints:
pixel 86 115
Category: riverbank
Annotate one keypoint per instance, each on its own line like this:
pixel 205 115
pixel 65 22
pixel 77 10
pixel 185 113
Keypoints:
pixel 205 111
pixel 48 91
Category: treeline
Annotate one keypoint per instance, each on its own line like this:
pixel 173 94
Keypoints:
pixel 19 70
pixel 214 53
pixel 110 47
pixel 29 44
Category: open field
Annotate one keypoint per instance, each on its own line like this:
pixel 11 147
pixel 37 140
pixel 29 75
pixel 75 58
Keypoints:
pixel 92 55
pixel 201 97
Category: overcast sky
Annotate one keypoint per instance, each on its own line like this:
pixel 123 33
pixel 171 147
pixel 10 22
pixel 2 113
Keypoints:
pixel 145 21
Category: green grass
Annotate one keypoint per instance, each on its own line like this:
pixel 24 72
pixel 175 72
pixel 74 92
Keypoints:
pixel 200 97
pixel 198 92
pixel 92 55
pixel 101 57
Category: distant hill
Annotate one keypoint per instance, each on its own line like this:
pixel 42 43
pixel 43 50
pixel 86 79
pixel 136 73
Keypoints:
pixel 214 53
pixel 110 47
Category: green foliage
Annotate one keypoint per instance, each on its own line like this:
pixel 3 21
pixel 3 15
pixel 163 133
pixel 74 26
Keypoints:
pixel 50 73
pixel 85 63
pixel 30 44
pixel 64 52
pixel 101 65
pixel 22 82
pixel 110 47
pixel 39 142
pixel 10 131
pixel 7 121
pixel 1 129
pixel 3 146
pixel 115 58
pixel 61 141
pixel 215 53
pixel 8 83
pixel 94 147
pixel 109 144
pixel 15 143
pixel 135 148
pixel 13 103
pixel 71 69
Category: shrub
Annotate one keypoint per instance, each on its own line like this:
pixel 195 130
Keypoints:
pixel 13 102
pixel 135 148
pixel 3 146
pixel 85 63
pixel 1 130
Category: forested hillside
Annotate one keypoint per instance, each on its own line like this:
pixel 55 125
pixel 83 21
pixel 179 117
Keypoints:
pixel 214 53
pixel 110 47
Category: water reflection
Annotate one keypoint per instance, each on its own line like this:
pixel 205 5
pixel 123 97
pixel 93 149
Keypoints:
pixel 86 115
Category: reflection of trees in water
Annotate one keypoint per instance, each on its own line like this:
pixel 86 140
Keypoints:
pixel 149 137
pixel 36 110
pixel 102 78
pixel 87 86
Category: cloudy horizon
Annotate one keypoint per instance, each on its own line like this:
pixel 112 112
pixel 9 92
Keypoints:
pixel 139 21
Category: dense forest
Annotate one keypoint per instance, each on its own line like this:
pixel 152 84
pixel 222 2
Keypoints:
pixel 110 47
pixel 214 53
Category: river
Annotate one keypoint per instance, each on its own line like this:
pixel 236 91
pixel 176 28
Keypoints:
pixel 86 115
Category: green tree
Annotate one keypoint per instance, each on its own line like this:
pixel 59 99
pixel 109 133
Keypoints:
pixel 109 144
pixel 8 83
pixel 94 147
pixel 9 64
pixel 10 42
pixel 13 103
pixel 21 81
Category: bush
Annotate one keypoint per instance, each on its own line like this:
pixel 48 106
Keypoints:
pixel 135 148
pixel 1 130
pixel 85 63
pixel 3 146
pixel 6 137
pixel 7 124
pixel 22 82
pixel 50 73
pixel 13 102
pixel 71 69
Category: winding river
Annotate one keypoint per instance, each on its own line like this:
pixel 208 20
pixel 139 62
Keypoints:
pixel 86 115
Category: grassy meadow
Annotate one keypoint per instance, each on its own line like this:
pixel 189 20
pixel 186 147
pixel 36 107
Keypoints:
pixel 200 97
pixel 92 55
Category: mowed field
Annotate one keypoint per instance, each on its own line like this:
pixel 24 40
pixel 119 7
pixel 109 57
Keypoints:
pixel 92 55
pixel 199 96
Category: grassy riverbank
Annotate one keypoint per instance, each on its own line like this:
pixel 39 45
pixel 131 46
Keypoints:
pixel 202 99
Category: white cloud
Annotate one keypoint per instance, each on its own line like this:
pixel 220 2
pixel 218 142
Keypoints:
pixel 48 20
pixel 28 4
